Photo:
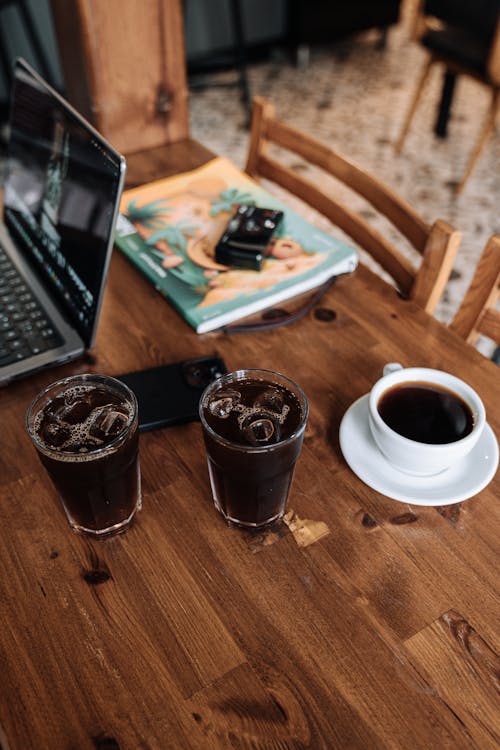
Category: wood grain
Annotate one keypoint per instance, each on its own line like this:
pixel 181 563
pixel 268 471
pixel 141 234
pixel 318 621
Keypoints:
pixel 450 653
pixel 477 313
pixel 185 633
pixel 124 68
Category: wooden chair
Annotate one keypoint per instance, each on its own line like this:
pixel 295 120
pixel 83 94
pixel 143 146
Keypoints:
pixel 437 244
pixel 124 68
pixel 478 314
pixel 465 38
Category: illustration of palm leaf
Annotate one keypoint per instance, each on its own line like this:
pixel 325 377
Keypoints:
pixel 228 198
pixel 148 214
pixel 174 235
pixel 189 274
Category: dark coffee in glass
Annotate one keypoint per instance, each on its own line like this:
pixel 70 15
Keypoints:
pixel 426 412
pixel 85 430
pixel 253 425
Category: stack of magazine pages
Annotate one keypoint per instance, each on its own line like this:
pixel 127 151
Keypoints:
pixel 169 229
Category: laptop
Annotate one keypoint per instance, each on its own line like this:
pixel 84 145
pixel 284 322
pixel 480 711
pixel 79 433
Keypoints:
pixel 62 190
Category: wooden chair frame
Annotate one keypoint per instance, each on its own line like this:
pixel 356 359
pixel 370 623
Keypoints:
pixel 421 24
pixel 438 244
pixel 478 314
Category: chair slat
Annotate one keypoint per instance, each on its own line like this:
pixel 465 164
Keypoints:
pixel 489 324
pixel 397 210
pixel 476 315
pixel 351 223
pixel 439 255
pixel 437 243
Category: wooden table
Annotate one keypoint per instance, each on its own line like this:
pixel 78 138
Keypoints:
pixel 184 633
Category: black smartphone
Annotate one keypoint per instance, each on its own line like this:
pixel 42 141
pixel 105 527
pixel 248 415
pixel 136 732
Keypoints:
pixel 245 241
pixel 169 394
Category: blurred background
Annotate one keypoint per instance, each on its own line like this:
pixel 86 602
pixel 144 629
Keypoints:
pixel 345 72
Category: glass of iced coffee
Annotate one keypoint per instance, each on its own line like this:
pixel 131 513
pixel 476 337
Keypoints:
pixel 253 424
pixel 85 430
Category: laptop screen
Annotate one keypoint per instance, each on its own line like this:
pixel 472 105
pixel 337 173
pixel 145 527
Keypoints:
pixel 60 200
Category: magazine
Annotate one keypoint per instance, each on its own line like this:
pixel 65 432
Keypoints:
pixel 169 230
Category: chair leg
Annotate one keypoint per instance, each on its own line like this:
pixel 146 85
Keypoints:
pixel 420 86
pixel 449 82
pixel 488 126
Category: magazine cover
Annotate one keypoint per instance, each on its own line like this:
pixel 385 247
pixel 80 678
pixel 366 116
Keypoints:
pixel 169 230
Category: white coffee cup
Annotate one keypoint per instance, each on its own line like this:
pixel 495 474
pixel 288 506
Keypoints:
pixel 410 456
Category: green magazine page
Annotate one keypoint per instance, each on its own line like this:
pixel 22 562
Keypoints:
pixel 169 230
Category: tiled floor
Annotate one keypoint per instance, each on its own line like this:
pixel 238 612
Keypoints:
pixel 354 97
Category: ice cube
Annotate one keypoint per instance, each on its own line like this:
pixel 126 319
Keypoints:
pixel 56 407
pixel 103 397
pixel 224 402
pixel 108 422
pixel 53 433
pixel 271 399
pixel 77 411
pixel 259 430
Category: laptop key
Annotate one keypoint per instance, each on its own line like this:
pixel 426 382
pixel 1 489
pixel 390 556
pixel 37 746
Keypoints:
pixel 25 330
pixel 7 359
pixel 33 337
pixel 36 347
pixel 53 342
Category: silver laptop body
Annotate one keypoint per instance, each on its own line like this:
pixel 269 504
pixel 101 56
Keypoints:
pixel 61 197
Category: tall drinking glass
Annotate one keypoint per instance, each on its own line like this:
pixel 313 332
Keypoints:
pixel 253 424
pixel 85 430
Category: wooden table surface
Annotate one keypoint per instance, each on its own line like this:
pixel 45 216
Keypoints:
pixel 185 633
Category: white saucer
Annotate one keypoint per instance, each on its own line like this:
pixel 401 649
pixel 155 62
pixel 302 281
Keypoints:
pixel 457 483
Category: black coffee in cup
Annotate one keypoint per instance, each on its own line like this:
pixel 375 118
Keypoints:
pixel 426 413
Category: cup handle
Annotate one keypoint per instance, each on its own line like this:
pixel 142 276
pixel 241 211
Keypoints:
pixel 392 367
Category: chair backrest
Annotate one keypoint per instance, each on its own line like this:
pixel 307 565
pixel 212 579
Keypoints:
pixel 437 244
pixel 480 19
pixel 124 68
pixel 479 16
pixel 478 313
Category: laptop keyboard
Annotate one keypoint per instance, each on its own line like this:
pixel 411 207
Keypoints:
pixel 25 329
